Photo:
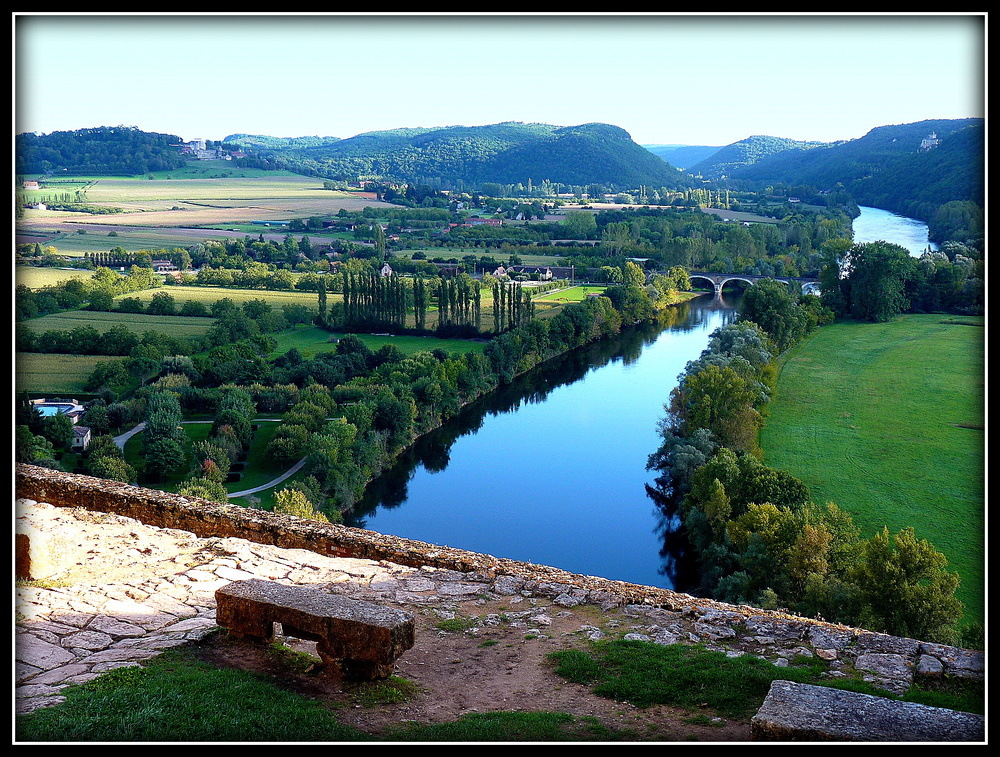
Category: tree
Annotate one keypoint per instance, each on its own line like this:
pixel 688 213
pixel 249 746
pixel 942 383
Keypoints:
pixel 162 303
pixel 58 429
pixel 772 306
pixel 296 313
pixel 294 502
pixel 906 589
pixel 719 399
pixel 205 488
pixel 162 456
pixel 877 274
pixel 580 224
pixel 112 468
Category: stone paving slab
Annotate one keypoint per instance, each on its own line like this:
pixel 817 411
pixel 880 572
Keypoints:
pixel 800 712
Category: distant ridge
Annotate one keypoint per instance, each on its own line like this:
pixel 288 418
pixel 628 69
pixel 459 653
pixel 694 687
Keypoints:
pixel 912 169
pixel 683 156
pixel 747 152
pixel 506 153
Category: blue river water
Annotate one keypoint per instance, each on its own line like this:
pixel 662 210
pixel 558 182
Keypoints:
pixel 875 225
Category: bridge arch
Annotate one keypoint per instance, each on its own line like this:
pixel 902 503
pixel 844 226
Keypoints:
pixel 719 280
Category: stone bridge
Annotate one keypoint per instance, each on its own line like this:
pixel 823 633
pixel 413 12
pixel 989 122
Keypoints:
pixel 719 280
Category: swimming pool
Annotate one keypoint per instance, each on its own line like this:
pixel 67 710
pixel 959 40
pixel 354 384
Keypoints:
pixel 52 409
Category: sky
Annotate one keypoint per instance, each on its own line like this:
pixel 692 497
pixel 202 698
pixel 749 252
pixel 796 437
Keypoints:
pixel 664 78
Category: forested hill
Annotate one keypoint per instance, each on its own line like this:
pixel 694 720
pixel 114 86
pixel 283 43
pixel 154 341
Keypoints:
pixel 104 150
pixel 889 168
pixel 747 152
pixel 504 153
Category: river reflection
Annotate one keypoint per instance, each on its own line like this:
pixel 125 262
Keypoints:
pixel 551 468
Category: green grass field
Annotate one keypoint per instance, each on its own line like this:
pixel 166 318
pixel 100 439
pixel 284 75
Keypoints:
pixel 54 374
pixel 209 294
pixel 209 181
pixel 887 420
pixel 312 340
pixel 573 294
pixel 181 327
pixel 36 278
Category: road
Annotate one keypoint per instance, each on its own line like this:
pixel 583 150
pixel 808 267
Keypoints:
pixel 122 438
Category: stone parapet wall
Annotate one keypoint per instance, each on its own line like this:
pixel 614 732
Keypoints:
pixel 673 617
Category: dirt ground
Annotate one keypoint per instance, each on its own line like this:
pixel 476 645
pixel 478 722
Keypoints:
pixel 497 668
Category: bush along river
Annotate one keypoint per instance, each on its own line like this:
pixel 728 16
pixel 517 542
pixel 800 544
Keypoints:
pixel 551 469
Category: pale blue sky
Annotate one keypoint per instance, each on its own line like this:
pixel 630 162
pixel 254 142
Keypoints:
pixel 666 79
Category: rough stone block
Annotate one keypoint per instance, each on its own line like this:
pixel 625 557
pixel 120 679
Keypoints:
pixel 799 712
pixel 361 640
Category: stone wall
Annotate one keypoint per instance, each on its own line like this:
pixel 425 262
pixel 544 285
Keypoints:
pixel 680 617
pixel 204 518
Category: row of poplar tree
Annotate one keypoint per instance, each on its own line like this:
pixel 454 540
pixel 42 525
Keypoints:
pixel 375 302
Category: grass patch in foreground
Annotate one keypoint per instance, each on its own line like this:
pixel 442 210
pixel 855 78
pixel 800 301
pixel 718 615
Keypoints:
pixel 511 726
pixel 646 674
pixel 176 698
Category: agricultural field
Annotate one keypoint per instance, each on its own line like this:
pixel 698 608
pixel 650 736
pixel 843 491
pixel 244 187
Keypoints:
pixel 36 278
pixel 212 193
pixel 209 294
pixel 887 421
pixel 54 374
pixel 179 327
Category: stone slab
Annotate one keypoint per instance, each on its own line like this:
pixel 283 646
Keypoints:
pixel 365 637
pixel 800 712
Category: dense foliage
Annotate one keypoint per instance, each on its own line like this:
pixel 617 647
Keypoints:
pixel 877 281
pixel 746 152
pixel 105 150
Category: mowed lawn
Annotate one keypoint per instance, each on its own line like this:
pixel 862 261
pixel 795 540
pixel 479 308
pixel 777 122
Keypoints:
pixel 570 294
pixel 887 420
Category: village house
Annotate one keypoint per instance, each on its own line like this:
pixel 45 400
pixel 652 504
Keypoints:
pixel 81 439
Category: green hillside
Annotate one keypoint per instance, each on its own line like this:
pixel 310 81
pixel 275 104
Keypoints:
pixel 888 168
pixel 104 151
pixel 503 153
pixel 748 152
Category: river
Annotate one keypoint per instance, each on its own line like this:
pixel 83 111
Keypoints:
pixel 875 224
pixel 552 470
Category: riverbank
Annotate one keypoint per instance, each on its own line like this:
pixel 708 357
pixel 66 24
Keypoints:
pixel 887 421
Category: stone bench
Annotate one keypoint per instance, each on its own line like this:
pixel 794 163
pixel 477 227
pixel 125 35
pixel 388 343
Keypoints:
pixel 359 640
pixel 799 712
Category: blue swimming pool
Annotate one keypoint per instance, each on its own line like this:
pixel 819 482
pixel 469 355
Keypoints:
pixel 48 410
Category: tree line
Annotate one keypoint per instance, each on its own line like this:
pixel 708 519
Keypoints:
pixel 878 281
